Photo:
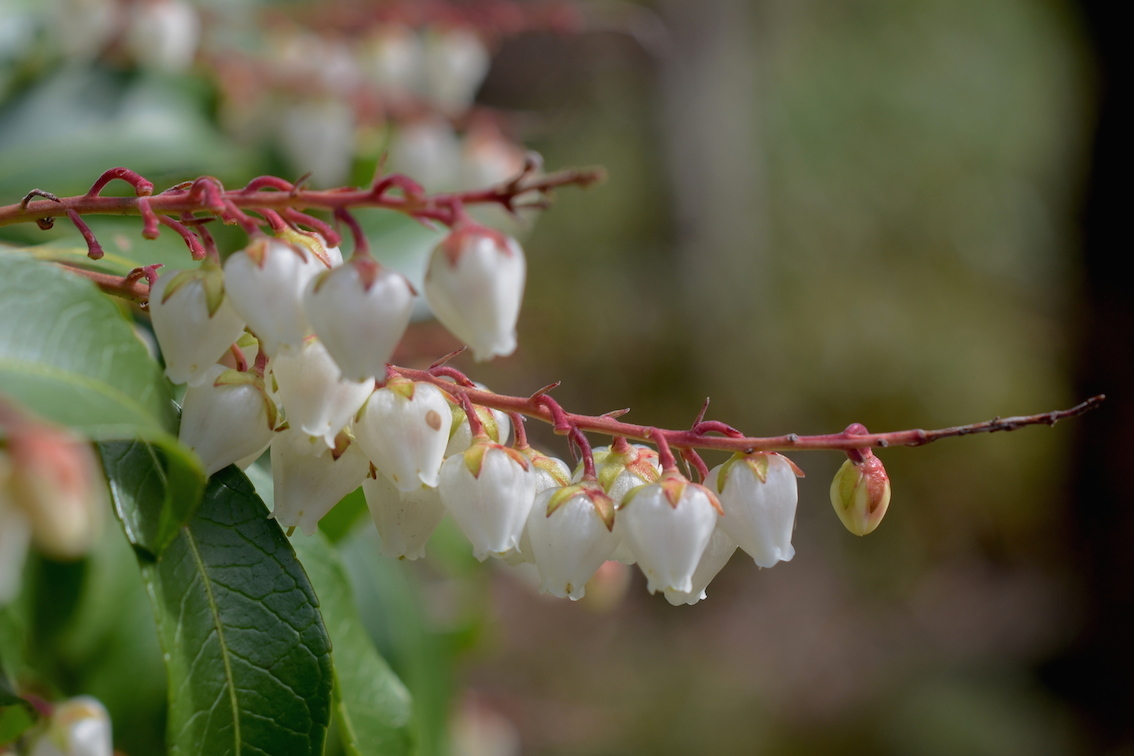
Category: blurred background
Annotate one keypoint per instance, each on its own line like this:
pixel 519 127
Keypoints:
pixel 899 213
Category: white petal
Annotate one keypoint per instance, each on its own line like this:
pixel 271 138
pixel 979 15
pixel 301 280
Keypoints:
pixel 360 327
pixel 307 485
pixel 668 541
pixel 760 516
pixel 720 549
pixel 474 285
pixel 191 341
pixel 313 395
pixel 492 509
pixel 405 519
pixel 270 297
pixel 405 438
pixel 225 423
pixel 569 545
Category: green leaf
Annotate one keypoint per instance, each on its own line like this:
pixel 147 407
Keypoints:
pixel 372 706
pixel 153 495
pixel 67 353
pixel 247 655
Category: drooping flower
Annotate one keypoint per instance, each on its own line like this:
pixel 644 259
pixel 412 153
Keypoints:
pixel 571 532
pixel 404 519
pixel 758 495
pixel 359 311
pixel 474 284
pixel 403 429
pixel 314 396
pixel 228 417
pixel 308 483
pixel 668 525
pixel 265 282
pixel 720 549
pixel 489 490
pixel 194 321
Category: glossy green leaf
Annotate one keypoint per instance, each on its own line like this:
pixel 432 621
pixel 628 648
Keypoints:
pixel 153 494
pixel 247 655
pixel 67 353
pixel 372 706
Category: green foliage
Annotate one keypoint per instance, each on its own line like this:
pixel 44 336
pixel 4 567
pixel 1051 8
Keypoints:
pixel 247 653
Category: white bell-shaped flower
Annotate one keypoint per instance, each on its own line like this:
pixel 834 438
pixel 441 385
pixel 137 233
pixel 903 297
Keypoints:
pixel 758 494
pixel 668 525
pixel 720 549
pixel 195 323
pixel 265 282
pixel 314 397
pixel 163 34
pixel 550 472
pixel 489 490
pixel 571 531
pixel 359 311
pixel 620 471
pixel 405 519
pixel 77 727
pixel 403 429
pixel 309 478
pixel 227 418
pixel 456 62
pixel 474 284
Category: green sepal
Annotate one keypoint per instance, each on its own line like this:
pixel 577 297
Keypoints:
pixel 212 282
pixel 305 241
pixel 474 455
pixel 603 504
pixel 402 386
pixel 547 464
pixel 236 378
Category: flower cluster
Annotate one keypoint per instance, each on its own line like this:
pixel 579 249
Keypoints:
pixel 286 346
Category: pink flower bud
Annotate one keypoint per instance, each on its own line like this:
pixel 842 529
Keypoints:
pixel 57 482
pixel 193 320
pixel 489 490
pixel 360 311
pixel 860 493
pixel 474 284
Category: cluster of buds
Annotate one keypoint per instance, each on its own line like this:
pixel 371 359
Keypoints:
pixel 52 494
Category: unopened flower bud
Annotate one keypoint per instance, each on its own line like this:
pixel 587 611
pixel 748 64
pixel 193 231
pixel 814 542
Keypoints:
pixel 474 284
pixel 78 727
pixel 860 493
pixel 57 482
